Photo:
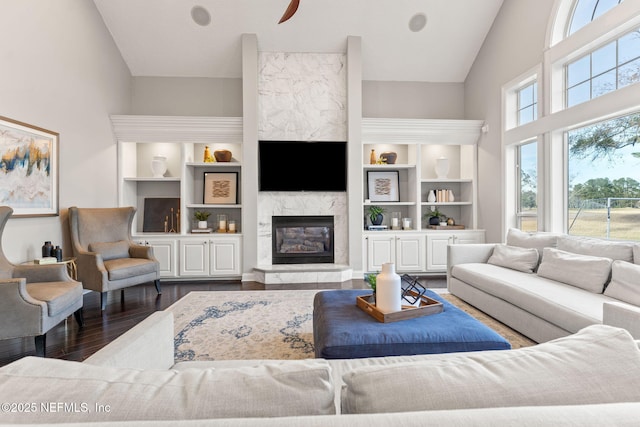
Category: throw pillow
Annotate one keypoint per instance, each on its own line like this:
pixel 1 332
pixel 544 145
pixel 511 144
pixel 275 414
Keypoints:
pixel 598 364
pixel 625 282
pixel 597 247
pixel 636 253
pixel 583 271
pixel 291 388
pixel 538 240
pixel 111 250
pixel 515 258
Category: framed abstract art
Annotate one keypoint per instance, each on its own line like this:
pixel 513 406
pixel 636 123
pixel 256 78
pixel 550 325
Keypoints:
pixel 28 169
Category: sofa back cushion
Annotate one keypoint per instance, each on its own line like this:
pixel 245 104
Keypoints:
pixel 636 253
pixel 590 273
pixel 538 240
pixel 111 250
pixel 625 282
pixel 597 247
pixel 599 364
pixel 291 388
pixel 515 258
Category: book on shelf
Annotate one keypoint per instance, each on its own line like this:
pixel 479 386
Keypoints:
pixel 377 227
pixel 202 230
pixel 46 260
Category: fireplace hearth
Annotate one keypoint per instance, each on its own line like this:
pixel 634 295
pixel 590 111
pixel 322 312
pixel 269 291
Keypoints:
pixel 302 239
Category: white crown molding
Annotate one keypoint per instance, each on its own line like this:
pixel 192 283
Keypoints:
pixel 131 128
pixel 414 131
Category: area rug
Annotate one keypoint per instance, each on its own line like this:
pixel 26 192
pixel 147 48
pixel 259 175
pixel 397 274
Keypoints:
pixel 265 325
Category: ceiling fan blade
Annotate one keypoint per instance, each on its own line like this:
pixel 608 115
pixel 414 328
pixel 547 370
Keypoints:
pixel 291 9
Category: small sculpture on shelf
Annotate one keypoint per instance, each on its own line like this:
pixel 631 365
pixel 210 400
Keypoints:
pixel 222 155
pixel 208 158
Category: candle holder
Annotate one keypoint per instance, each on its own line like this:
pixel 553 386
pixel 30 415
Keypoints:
pixel 396 218
pixel 222 223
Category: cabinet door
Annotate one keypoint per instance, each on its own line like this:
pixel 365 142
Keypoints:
pixel 165 253
pixel 380 250
pixel 437 251
pixel 194 258
pixel 410 253
pixel 225 257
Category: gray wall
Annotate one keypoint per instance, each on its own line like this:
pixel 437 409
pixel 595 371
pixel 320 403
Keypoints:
pixel 514 45
pixel 61 71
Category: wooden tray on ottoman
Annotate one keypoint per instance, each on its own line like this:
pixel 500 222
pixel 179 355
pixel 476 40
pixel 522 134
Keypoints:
pixel 427 306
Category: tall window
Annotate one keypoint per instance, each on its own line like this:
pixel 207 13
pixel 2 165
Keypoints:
pixel 527 188
pixel 586 11
pixel 603 178
pixel 608 68
pixel 528 103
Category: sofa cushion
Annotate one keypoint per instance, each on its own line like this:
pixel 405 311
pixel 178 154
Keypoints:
pixel 111 250
pixel 625 282
pixel 599 364
pixel 590 273
pixel 567 306
pixel 515 258
pixel 538 240
pixel 636 253
pixel 597 247
pixel 301 387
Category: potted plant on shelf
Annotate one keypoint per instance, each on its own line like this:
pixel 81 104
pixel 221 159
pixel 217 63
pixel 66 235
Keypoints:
pixel 201 217
pixel 434 217
pixel 375 214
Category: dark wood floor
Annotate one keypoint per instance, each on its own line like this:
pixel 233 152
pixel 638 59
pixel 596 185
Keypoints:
pixel 68 341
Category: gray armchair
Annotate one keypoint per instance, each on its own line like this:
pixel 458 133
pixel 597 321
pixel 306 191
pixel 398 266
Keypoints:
pixel 35 298
pixel 107 258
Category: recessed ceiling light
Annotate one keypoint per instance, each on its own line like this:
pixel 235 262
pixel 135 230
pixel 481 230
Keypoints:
pixel 200 16
pixel 417 22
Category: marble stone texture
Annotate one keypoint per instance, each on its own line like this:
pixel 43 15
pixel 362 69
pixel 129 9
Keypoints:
pixel 302 96
pixel 286 204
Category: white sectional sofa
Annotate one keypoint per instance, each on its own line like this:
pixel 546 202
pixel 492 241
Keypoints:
pixel 587 378
pixel 547 285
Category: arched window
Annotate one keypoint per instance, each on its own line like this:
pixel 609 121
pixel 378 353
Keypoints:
pixel 585 11
pixel 587 130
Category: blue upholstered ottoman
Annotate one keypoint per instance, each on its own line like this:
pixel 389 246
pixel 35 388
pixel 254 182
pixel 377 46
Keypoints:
pixel 341 330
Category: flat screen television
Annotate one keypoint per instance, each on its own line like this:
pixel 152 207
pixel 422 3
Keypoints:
pixel 302 166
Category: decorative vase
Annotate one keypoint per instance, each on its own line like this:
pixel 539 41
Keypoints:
pixel 434 220
pixel 451 196
pixel 431 198
pixel 57 252
pixel 378 219
pixel 442 167
pixel 222 155
pixel 202 224
pixel 158 166
pixel 372 157
pixel 388 289
pixel 389 157
pixel 47 249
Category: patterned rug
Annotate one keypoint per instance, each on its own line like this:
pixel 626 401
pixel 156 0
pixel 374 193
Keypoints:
pixel 265 325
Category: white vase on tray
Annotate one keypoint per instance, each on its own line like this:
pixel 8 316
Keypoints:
pixel 388 289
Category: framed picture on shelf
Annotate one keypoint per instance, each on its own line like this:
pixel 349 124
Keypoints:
pixel 29 181
pixel 221 188
pixel 383 186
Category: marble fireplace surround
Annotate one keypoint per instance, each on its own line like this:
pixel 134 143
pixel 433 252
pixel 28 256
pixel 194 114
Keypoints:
pixel 302 97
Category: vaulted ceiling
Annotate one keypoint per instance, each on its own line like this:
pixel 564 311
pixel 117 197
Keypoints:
pixel 160 37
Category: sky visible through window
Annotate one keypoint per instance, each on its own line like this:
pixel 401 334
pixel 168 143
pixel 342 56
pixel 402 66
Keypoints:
pixel 588 10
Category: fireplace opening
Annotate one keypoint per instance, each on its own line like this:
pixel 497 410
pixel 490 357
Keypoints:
pixel 302 239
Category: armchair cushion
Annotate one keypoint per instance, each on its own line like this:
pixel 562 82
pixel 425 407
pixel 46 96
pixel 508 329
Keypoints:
pixel 59 296
pixel 124 268
pixel 111 250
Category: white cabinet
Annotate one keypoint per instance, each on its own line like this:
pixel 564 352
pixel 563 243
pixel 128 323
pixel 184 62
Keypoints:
pixel 165 251
pixel 437 242
pixel 213 256
pixel 405 250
